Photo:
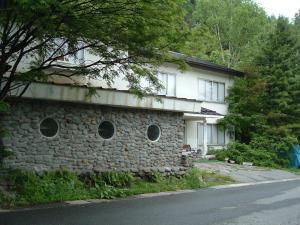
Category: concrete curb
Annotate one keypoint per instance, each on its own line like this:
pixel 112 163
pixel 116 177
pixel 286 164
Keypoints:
pixel 252 183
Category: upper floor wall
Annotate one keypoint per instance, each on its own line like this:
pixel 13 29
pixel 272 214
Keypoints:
pixel 193 83
pixel 198 83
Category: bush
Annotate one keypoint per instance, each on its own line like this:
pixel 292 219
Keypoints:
pixel 117 179
pixel 4 152
pixel 268 151
pixel 212 151
pixel 49 187
pixel 154 177
pixel 7 199
pixel 194 179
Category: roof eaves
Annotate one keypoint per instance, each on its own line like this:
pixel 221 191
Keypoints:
pixel 198 63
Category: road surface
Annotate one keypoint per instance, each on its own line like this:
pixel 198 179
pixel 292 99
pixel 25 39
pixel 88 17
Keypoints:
pixel 263 204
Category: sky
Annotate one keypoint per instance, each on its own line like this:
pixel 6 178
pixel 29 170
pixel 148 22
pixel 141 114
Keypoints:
pixel 286 8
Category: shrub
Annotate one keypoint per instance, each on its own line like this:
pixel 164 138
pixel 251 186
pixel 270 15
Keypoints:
pixel 194 179
pixel 117 179
pixel 49 187
pixel 271 151
pixel 4 152
pixel 154 177
pixel 212 151
pixel 7 199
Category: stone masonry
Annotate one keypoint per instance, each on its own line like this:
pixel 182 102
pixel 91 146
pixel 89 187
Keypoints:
pixel 78 146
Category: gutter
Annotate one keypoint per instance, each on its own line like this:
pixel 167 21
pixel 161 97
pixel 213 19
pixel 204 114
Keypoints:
pixel 202 64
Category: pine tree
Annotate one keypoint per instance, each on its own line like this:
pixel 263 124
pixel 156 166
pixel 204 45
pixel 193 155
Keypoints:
pixel 278 66
pixel 265 109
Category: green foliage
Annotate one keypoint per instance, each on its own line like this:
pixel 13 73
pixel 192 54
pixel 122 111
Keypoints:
pixel 117 179
pixel 244 153
pixel 264 105
pixel 108 29
pixel 7 199
pixel 154 176
pixel 53 186
pixel 261 151
pixel 227 32
pixel 194 179
pixel 4 152
pixel 50 187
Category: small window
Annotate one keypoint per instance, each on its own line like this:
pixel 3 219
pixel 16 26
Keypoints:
pixel 106 130
pixel 153 132
pixel 169 83
pixel 49 127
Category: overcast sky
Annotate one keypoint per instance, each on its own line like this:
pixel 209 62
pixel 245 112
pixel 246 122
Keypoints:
pixel 286 8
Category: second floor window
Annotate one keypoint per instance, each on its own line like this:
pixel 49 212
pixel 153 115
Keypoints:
pixel 169 82
pixel 211 91
pixel 77 58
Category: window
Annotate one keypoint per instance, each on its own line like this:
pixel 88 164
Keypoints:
pixel 106 130
pixel 153 132
pixel 215 134
pixel 48 127
pixel 77 58
pixel 169 82
pixel 211 91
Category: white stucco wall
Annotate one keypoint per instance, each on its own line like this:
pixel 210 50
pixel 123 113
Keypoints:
pixel 186 84
pixel 186 81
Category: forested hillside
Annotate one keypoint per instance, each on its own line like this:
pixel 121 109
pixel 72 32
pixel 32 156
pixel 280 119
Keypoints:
pixel 264 106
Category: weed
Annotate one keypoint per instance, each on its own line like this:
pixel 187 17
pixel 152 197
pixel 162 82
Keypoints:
pixel 54 186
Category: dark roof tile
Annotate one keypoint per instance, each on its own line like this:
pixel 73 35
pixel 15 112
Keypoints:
pixel 209 112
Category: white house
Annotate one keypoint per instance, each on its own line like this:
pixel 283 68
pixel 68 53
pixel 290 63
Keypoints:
pixel 57 124
pixel 203 82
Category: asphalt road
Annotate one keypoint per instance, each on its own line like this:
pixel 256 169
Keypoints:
pixel 264 204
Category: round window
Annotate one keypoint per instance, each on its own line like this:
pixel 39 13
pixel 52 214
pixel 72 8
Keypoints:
pixel 153 132
pixel 106 130
pixel 49 127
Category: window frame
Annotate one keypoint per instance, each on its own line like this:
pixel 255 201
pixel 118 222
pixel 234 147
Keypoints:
pixel 115 130
pixel 165 90
pixel 57 132
pixel 160 132
pixel 210 98
pixel 218 127
pixel 72 60
pixel 209 142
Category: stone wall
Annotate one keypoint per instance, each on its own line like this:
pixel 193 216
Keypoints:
pixel 79 147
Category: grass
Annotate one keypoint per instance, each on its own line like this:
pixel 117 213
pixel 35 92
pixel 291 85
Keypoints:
pixel 60 186
pixel 195 179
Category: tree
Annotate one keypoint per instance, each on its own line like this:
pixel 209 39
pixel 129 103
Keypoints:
pixel 265 107
pixel 189 7
pixel 238 28
pixel 279 66
pixel 127 36
pixel 246 101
